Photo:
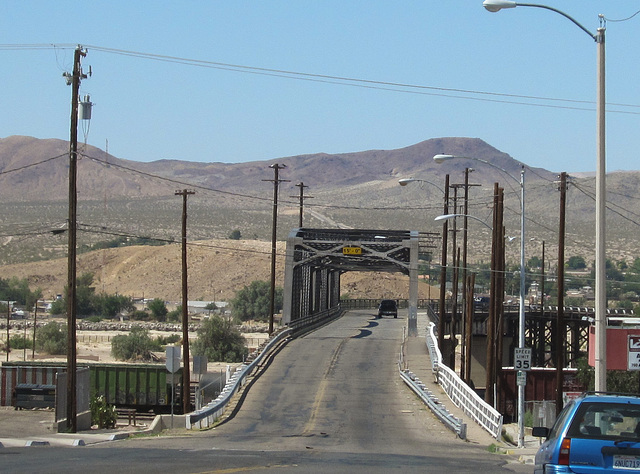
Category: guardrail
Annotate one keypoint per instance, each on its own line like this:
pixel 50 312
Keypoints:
pixel 460 393
pixel 207 415
pixel 450 421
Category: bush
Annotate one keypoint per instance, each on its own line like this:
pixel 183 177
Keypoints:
pixel 20 342
pixel 220 340
pixel 175 315
pixel 102 414
pixel 58 307
pixel 165 340
pixel 158 309
pixel 52 338
pixel 135 346
pixel 253 301
pixel 139 315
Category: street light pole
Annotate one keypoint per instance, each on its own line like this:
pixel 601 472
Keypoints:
pixel 441 158
pixel 443 265
pixel 601 292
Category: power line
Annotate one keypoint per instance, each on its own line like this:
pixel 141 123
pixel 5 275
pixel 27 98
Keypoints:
pixel 486 96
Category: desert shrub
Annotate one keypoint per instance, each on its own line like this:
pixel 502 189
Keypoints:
pixel 165 340
pixel 135 346
pixel 139 315
pixel 20 342
pixel 52 338
pixel 253 301
pixel 220 340
pixel 175 315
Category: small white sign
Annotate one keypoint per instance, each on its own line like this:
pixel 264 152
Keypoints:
pixel 633 353
pixel 522 358
pixel 521 379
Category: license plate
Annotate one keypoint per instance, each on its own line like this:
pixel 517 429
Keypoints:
pixel 631 463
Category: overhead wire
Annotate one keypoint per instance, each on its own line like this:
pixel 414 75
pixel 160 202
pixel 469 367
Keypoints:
pixel 486 96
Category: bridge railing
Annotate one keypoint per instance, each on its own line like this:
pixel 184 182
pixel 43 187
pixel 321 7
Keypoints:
pixel 460 393
pixel 206 416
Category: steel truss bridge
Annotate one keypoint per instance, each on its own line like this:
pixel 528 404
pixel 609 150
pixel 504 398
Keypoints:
pixel 316 258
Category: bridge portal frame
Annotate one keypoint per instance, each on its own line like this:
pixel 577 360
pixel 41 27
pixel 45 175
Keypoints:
pixel 316 258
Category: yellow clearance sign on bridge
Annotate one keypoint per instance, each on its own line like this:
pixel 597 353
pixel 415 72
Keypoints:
pixel 351 250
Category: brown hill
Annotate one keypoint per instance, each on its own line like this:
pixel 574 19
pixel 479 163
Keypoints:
pixel 216 270
pixel 121 200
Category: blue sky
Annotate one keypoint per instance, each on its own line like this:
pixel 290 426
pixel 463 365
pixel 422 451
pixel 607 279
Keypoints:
pixel 148 109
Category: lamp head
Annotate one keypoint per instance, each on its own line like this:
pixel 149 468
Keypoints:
pixel 497 5
pixel 405 181
pixel 446 217
pixel 442 158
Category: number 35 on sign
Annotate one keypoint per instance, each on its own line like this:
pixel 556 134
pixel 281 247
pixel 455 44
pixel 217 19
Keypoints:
pixel 522 358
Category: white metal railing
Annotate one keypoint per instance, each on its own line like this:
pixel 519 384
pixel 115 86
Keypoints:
pixel 460 393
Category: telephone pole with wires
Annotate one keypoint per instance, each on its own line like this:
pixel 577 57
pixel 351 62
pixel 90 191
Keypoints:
pixel 186 375
pixel 302 197
pixel 272 292
pixel 73 80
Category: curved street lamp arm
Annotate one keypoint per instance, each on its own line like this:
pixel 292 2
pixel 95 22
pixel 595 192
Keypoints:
pixel 573 20
pixel 405 181
pixel 446 217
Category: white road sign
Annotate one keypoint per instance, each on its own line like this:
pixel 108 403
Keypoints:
pixel 522 358
pixel 634 353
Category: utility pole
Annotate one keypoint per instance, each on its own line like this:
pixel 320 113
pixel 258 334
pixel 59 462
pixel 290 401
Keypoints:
pixel 455 257
pixel 495 298
pixel 74 81
pixel 443 270
pixel 35 325
pixel 8 340
pixel 302 197
pixel 272 293
pixel 560 326
pixel 186 375
pixel 468 334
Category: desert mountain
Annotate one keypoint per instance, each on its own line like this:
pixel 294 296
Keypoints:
pixel 121 199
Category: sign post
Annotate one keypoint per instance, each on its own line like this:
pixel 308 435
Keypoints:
pixel 173 364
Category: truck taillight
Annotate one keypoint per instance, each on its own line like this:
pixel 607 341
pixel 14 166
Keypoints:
pixel 565 448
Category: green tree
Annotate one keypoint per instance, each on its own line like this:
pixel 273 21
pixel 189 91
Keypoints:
pixel 85 297
pixel 16 289
pixel 252 302
pixel 220 340
pixel 111 305
pixel 175 315
pixel 135 346
pixel 158 309
pixel 576 263
pixel 534 262
pixel 58 307
pixel 621 381
pixel 52 338
pixel 235 235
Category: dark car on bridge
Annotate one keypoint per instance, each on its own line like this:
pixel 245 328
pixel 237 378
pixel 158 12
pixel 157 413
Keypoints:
pixel 388 308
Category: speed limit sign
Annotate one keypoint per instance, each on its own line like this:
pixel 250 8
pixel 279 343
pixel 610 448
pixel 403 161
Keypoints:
pixel 522 358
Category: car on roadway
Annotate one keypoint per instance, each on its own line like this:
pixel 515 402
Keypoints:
pixel 388 308
pixel 596 432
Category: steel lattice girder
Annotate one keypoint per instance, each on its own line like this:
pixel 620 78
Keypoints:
pixel 331 251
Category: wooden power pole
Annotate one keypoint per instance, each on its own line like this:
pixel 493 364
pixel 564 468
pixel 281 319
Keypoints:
pixel 186 375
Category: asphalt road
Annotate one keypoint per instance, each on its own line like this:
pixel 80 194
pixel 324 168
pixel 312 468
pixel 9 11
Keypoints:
pixel 330 402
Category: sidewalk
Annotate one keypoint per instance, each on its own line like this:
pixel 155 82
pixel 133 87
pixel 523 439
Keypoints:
pixel 417 360
pixel 36 428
